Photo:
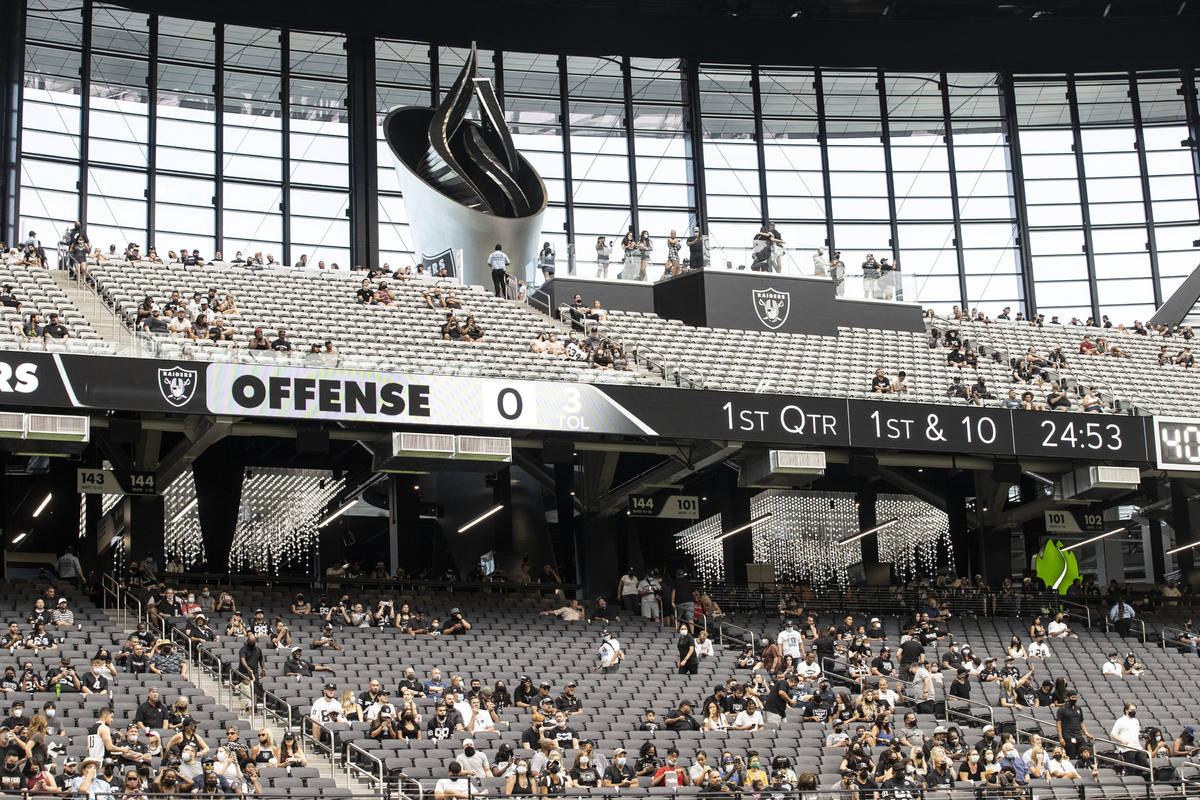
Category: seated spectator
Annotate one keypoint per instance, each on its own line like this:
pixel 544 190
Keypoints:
pixel 572 612
pixel 364 294
pixel 1057 358
pixel 1087 347
pixel 1010 400
pixel 979 389
pixel 1092 403
pixel 900 385
pixel 451 330
pixel 540 344
pixel 281 343
pixel 167 661
pixel 596 312
pixel 228 305
pixel 471 330
pixel 384 296
pixel 957 390
pixel 258 341
pixel 956 357
pixel 1059 399
pixel 1184 358
pixel 55 329
pixel 880 383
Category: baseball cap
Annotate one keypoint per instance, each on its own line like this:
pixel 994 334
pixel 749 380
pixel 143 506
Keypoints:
pixel 572 684
pixel 330 686
pixel 297 650
pixel 258 611
pixel 468 742
pixel 62 601
pixel 1190 730
pixel 989 727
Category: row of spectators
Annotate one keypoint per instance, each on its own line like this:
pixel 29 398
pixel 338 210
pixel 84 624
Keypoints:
pixel 1038 321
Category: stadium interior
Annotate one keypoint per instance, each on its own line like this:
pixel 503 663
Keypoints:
pixel 762 399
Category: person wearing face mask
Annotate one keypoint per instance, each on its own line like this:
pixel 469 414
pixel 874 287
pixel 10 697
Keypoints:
pixel 619 773
pixel 474 763
pixel 671 774
pixel 1010 759
pixel 189 765
pixel 1072 732
pixel 689 661
pixel 971 768
pixel 134 753
pixel 1127 732
pixel 583 773
pixel 520 782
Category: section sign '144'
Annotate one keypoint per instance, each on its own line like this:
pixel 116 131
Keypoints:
pixel 284 392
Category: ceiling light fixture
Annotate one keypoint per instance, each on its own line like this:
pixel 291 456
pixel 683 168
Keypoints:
pixel 745 527
pixel 869 531
pixel 42 505
pixel 1113 532
pixel 481 518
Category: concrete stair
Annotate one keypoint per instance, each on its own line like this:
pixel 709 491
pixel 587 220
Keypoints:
pixel 102 318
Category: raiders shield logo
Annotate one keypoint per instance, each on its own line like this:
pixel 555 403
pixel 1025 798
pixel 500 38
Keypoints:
pixel 771 306
pixel 177 385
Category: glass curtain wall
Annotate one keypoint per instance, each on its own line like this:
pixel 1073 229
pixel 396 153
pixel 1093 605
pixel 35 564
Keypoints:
pixel 171 132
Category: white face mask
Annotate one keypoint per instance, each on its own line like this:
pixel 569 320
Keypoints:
pixel 17 712
pixel 683 631
pixel 521 770
pixel 50 712
pixel 132 738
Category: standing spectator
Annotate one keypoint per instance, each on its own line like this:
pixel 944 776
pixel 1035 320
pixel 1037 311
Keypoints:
pixel 252 664
pixel 69 568
pixel 603 254
pixel 1127 732
pixel 610 653
pixel 627 590
pixel 689 661
pixel 1121 615
pixel 870 277
pixel 650 589
pixel 498 262
pixel 820 263
pixel 644 247
pixel 672 267
pixel 837 273
pixel 546 262
pixel 697 250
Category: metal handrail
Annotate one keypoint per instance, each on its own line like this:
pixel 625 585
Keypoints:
pixel 1178 641
pixel 351 766
pixel 1087 611
pixel 723 624
pixel 1109 624
pixel 703 621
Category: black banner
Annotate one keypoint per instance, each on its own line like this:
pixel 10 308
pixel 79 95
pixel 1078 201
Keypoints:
pixel 46 381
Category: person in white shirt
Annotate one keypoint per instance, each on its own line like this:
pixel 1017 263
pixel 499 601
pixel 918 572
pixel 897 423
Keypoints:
pixel 1127 732
pixel 808 669
pixel 325 709
pixel 498 262
pixel 380 706
pixel 453 787
pixel 1038 649
pixel 1059 766
pixel 1036 756
pixel 749 718
pixel 1112 667
pixel 790 641
pixel 1058 629
pixel 459 703
pixel 610 653
pixel 480 718
pixel 704 645
pixel 884 693
pixel 650 589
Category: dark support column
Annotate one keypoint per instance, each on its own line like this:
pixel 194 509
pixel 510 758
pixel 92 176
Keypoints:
pixel 564 122
pixel 568 546
pixel 498 75
pixel 960 533
pixel 735 512
pixel 1008 100
pixel 826 182
pixel 866 520
pixel 1034 529
pixel 395 493
pixel 502 496
pixel 997 555
pixel 147 529
pixel 152 133
pixel 886 137
pixel 1192 110
pixel 218 477
pixel 85 107
pixel 630 149
pixel 364 153
pixel 694 144
pixel 219 138
pixel 1081 177
pixel 948 136
pixel 756 92
pixel 435 82
pixel 1185 522
pixel 12 71
pixel 1135 102
pixel 285 125
pixel 91 526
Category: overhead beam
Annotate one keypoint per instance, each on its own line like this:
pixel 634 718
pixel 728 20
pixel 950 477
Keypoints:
pixel 202 433
pixel 913 487
pixel 676 469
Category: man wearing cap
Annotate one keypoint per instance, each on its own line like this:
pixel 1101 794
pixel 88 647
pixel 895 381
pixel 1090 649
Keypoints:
pixel 457 624
pixel 453 787
pixel 166 660
pixel 567 701
pixel 619 773
pixel 325 639
pixel 989 741
pixel 151 714
pixel 326 708
pixel 63 678
pixel 62 617
pixel 252 664
pixel 55 329
pixel 296 666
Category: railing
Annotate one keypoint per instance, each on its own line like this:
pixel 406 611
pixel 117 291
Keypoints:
pixel 689 616
pixel 1087 611
pixel 1192 643
pixel 355 754
pixel 307 582
pixel 870 599
pixel 1110 623
pixel 750 639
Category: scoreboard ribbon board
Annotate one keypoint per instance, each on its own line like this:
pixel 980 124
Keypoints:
pixel 401 400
